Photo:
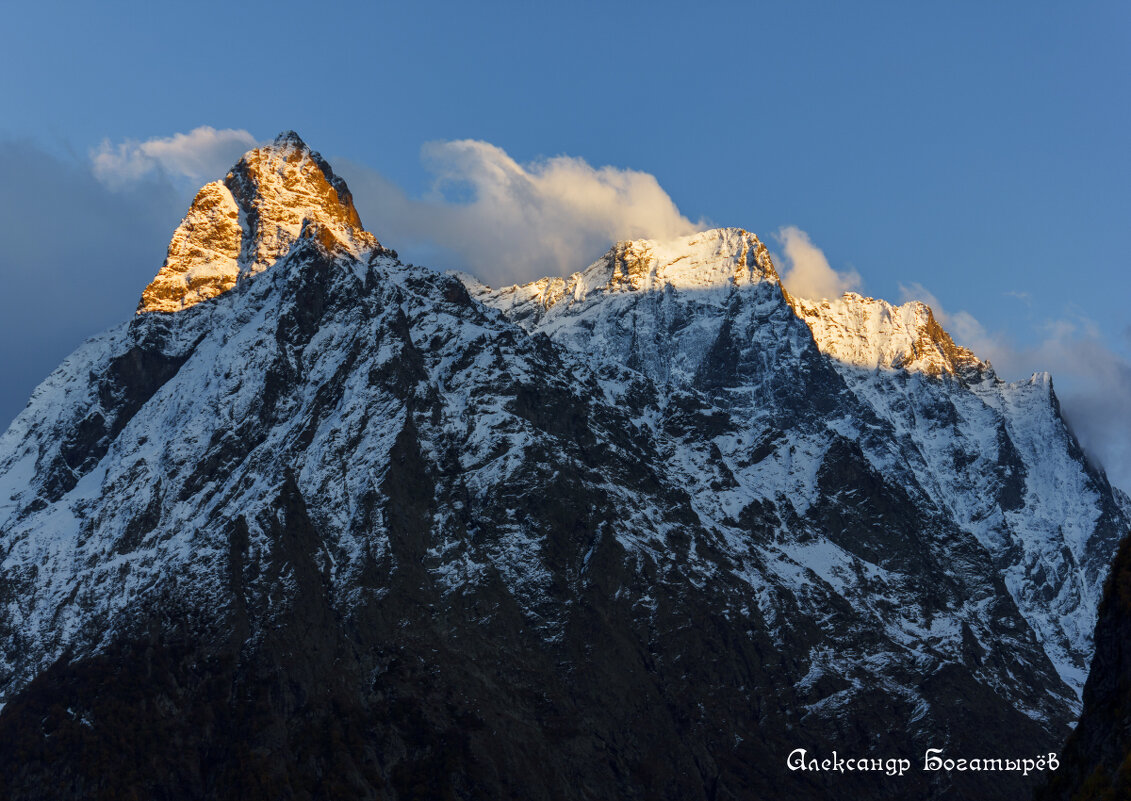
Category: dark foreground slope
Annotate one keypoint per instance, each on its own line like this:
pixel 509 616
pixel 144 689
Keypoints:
pixel 1097 757
pixel 338 530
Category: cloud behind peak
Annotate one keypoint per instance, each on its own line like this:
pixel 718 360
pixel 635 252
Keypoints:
pixel 807 273
pixel 509 222
pixel 201 155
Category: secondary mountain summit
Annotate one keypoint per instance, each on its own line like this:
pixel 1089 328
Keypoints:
pixel 318 524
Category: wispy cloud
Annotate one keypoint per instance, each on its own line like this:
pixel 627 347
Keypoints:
pixel 508 222
pixel 806 271
pixel 203 154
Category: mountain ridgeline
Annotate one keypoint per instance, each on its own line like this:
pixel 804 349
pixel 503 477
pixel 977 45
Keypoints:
pixel 319 524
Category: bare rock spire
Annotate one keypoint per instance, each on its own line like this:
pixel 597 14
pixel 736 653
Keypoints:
pixel 244 224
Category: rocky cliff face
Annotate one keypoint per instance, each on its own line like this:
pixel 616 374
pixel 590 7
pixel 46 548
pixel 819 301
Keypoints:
pixel 870 333
pixel 351 529
pixel 242 225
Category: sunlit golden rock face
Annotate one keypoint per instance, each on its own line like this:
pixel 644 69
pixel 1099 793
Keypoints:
pixel 203 258
pixel 872 333
pixel 244 224
pixel 281 186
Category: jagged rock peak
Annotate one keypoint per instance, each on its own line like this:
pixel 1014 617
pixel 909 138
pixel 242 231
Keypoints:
pixel 242 225
pixel 872 333
pixel 713 259
pixel 289 139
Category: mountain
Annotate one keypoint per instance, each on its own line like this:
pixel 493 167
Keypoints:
pixel 1097 756
pixel 707 314
pixel 319 524
pixel 242 225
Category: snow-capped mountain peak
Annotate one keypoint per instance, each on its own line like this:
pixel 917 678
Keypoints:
pixel 711 261
pixel 242 225
pixel 705 260
pixel 872 333
pixel 853 329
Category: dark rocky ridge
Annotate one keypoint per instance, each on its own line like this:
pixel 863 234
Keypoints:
pixel 1097 757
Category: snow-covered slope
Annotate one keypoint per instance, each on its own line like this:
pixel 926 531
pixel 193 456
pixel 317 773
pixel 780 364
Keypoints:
pixel 319 522
pixel 872 333
pixel 707 312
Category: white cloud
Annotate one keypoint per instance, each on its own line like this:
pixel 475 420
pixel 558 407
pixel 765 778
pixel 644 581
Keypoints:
pixel 508 222
pixel 807 273
pixel 203 154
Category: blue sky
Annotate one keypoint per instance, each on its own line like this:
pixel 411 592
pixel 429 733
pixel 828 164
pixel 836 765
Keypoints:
pixel 976 153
